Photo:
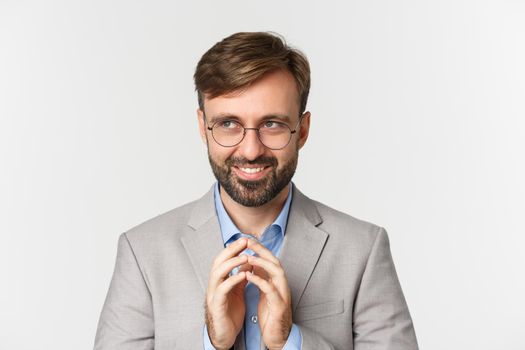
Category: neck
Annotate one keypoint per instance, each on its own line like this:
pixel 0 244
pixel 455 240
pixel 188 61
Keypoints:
pixel 254 220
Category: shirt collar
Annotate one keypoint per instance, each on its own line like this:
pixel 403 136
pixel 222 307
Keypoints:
pixel 228 228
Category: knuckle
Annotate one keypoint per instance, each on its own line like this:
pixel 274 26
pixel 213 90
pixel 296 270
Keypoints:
pixel 213 272
pixel 216 261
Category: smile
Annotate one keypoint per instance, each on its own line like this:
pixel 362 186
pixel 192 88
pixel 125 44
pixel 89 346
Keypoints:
pixel 252 173
pixel 251 170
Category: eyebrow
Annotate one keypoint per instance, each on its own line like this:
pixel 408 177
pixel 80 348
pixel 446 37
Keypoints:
pixel 228 116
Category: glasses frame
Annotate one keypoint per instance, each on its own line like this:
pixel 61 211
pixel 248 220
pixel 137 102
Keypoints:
pixel 292 132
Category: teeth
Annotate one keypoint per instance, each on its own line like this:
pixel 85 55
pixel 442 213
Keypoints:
pixel 251 170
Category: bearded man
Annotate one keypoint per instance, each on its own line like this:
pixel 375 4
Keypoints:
pixel 254 264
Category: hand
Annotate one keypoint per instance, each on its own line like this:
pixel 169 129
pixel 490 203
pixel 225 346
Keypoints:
pixel 225 306
pixel 275 301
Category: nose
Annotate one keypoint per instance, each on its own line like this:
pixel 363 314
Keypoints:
pixel 251 147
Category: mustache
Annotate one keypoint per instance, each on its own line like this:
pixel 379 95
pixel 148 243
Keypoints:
pixel 240 161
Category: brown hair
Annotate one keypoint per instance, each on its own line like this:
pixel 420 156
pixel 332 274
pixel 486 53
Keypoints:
pixel 240 59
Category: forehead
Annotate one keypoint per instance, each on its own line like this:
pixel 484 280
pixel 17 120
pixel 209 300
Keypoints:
pixel 275 93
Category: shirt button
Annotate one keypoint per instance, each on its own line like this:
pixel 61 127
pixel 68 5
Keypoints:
pixel 254 318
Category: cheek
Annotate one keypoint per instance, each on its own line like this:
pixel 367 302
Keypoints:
pixel 284 156
pixel 219 154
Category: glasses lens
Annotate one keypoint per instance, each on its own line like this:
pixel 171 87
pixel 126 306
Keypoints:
pixel 274 135
pixel 227 133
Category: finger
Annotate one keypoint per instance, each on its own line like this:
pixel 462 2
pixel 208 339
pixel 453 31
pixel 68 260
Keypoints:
pixel 226 286
pixel 219 273
pixel 274 272
pixel 230 251
pixel 243 267
pixel 246 267
pixel 272 295
pixel 231 264
pixel 259 271
pixel 262 251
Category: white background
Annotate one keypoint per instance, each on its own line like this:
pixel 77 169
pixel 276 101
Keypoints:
pixel 417 125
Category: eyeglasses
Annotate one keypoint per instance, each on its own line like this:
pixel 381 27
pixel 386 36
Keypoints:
pixel 273 134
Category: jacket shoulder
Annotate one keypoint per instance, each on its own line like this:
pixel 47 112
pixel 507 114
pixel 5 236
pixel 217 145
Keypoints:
pixel 342 226
pixel 169 220
pixel 172 224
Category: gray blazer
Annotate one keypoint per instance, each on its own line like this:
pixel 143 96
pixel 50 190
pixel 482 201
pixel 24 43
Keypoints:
pixel 345 290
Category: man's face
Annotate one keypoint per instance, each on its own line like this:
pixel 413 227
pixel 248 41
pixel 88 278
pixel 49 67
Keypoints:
pixel 250 173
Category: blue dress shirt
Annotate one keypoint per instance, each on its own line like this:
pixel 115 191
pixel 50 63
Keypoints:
pixel 272 239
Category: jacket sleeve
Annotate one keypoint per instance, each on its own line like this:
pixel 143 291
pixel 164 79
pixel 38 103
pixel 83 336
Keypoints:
pixel 381 318
pixel 126 321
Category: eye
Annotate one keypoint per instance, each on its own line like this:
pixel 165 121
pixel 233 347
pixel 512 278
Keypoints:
pixel 227 124
pixel 270 124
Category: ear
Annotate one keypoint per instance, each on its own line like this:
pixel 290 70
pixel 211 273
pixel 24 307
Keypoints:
pixel 304 129
pixel 202 125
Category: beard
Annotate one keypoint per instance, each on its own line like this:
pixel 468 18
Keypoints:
pixel 257 192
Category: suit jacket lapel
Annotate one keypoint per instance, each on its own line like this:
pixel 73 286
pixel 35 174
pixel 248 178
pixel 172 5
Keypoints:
pixel 204 242
pixel 303 244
